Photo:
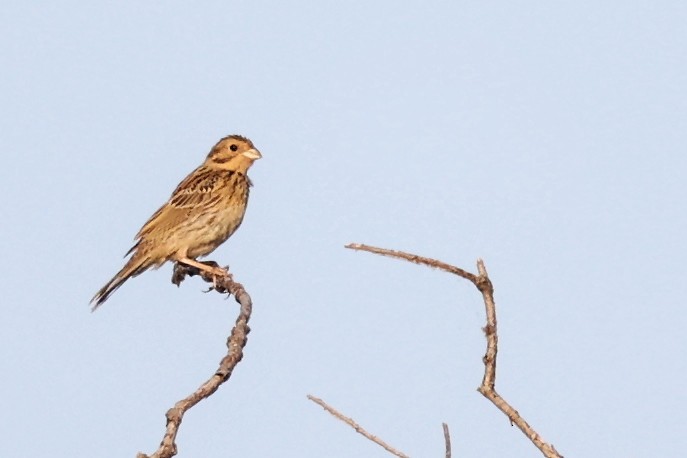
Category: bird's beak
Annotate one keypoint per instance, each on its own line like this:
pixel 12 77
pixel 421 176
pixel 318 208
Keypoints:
pixel 252 154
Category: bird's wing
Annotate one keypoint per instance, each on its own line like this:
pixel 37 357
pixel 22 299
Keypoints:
pixel 199 191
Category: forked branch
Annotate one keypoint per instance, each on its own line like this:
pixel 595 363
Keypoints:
pixel 235 344
pixel 484 285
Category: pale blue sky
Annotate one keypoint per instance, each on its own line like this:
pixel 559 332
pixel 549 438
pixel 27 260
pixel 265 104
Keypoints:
pixel 546 137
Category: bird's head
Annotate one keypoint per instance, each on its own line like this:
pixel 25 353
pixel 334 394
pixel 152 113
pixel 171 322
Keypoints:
pixel 234 153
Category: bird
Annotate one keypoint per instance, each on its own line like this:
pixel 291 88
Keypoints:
pixel 204 210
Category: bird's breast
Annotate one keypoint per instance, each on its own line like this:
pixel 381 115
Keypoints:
pixel 212 228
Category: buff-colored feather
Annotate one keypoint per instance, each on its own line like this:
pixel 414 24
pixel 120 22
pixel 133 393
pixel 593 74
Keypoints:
pixel 202 213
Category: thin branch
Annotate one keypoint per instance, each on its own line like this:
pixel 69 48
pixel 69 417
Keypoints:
pixel 235 343
pixel 356 427
pixel 447 440
pixel 484 285
pixel 415 259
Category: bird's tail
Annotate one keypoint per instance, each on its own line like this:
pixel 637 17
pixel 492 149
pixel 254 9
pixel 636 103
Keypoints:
pixel 138 263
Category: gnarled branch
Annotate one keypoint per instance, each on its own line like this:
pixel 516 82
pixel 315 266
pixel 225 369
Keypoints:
pixel 235 344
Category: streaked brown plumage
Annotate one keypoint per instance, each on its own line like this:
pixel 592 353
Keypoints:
pixel 203 211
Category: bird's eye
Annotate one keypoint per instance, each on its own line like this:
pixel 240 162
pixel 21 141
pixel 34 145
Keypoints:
pixel 233 147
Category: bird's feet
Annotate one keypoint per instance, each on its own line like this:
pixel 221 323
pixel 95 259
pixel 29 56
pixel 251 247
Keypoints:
pixel 209 270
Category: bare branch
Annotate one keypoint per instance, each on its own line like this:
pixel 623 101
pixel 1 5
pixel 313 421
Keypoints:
pixel 356 427
pixel 415 259
pixel 447 440
pixel 484 285
pixel 235 344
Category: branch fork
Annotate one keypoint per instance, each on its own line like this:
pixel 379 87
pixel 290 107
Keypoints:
pixel 484 285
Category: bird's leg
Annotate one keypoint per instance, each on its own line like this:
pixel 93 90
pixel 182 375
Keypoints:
pixel 212 270
pixel 215 271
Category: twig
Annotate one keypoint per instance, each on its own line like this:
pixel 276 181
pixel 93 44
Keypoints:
pixel 356 427
pixel 235 344
pixel 484 285
pixel 415 259
pixel 447 440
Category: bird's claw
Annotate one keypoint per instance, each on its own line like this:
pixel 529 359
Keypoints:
pixel 215 275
